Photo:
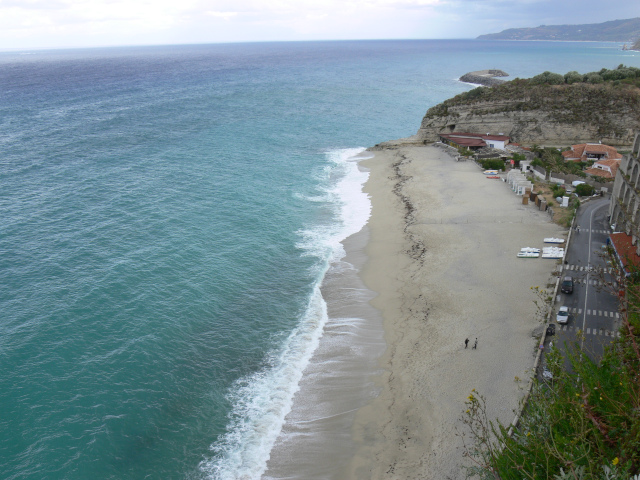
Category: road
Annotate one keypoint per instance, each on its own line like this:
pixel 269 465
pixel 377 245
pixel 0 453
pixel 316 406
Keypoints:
pixel 594 319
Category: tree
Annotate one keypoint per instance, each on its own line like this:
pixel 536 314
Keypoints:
pixel 573 77
pixel 585 190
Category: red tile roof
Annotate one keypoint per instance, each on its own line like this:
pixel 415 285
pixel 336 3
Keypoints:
pixel 625 251
pixel 580 151
pixel 612 163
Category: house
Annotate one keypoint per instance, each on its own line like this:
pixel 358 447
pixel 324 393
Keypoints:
pixel 605 168
pixel 589 152
pixel 624 209
pixel 474 141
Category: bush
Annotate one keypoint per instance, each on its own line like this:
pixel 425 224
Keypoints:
pixel 585 190
pixel 548 78
pixel 558 191
pixel 573 77
pixel 593 77
pixel 492 164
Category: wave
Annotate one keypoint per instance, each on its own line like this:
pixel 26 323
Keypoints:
pixel 261 401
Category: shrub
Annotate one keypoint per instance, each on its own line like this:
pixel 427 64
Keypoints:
pixel 492 164
pixel 573 77
pixel 548 78
pixel 585 190
pixel 558 191
pixel 593 77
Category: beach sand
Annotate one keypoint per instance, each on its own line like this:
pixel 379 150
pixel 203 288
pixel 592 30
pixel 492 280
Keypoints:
pixel 442 259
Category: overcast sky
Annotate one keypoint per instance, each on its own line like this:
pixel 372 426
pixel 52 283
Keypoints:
pixel 28 24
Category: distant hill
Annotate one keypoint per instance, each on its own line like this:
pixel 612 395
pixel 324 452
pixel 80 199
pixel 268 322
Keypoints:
pixel 636 46
pixel 612 31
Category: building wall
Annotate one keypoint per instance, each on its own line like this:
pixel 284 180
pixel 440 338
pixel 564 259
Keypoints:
pixel 625 197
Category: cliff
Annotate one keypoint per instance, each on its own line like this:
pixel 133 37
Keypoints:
pixel 542 114
pixel 613 31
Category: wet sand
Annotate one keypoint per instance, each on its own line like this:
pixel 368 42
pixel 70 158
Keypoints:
pixel 442 259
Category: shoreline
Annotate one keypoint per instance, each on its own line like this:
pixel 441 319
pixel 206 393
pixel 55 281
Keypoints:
pixel 442 260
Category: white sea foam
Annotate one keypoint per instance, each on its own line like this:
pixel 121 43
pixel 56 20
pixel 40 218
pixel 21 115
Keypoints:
pixel 262 401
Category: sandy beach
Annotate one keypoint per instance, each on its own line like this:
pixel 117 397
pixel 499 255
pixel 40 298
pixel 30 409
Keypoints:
pixel 442 259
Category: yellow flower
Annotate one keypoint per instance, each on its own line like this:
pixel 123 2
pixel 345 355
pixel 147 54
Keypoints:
pixel 615 461
pixel 600 398
pixel 467 410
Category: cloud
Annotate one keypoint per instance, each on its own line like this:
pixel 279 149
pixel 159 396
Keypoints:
pixel 103 22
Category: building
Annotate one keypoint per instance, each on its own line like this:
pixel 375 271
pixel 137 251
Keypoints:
pixel 589 152
pixel 624 209
pixel 474 141
pixel 605 168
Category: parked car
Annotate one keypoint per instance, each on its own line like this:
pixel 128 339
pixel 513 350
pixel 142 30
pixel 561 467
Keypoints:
pixel 567 285
pixel 563 315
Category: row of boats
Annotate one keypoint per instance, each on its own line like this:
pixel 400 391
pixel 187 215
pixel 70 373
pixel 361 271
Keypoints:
pixel 545 252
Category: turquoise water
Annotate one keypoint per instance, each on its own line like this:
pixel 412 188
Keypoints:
pixel 167 216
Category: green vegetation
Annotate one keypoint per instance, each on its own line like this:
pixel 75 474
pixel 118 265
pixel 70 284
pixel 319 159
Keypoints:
pixel 585 190
pixel 583 424
pixel 465 152
pixel 492 164
pixel 558 191
pixel 573 98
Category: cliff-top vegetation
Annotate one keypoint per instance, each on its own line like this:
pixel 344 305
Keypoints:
pixel 620 82
pixel 572 98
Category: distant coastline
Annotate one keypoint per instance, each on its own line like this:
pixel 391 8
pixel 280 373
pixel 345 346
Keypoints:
pixel 627 30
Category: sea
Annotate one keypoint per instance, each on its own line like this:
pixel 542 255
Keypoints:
pixel 181 230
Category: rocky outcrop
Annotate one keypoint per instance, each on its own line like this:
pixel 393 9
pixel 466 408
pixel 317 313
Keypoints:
pixel 484 77
pixel 540 114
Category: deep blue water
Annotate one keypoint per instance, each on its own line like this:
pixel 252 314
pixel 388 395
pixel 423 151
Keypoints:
pixel 167 215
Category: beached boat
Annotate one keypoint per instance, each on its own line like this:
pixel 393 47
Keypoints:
pixel 528 254
pixel 552 252
pixel 530 250
pixel 553 240
pixel 493 176
pixel 490 172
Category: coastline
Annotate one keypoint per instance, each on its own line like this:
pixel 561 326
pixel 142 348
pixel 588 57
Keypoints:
pixel 442 260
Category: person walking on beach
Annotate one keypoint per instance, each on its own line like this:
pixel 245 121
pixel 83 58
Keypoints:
pixel 466 342
pixel 475 345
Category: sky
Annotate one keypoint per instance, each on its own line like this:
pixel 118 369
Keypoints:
pixel 27 24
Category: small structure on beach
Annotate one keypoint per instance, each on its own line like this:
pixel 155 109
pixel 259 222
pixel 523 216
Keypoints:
pixel 518 182
pixel 474 141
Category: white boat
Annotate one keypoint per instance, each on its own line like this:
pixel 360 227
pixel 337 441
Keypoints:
pixel 552 252
pixel 490 172
pixel 528 254
pixel 553 240
pixel 530 250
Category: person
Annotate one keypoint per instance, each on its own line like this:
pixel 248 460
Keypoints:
pixel 475 345
pixel 466 342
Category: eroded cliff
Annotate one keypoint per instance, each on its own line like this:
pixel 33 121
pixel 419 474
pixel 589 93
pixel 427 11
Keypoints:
pixel 541 114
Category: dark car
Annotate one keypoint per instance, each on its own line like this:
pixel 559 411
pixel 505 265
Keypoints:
pixel 567 285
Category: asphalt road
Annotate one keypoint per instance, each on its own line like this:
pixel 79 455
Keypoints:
pixel 594 318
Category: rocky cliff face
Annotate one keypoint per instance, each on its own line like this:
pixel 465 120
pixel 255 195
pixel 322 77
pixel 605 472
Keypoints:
pixel 541 114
